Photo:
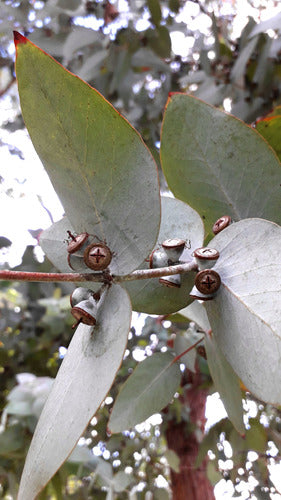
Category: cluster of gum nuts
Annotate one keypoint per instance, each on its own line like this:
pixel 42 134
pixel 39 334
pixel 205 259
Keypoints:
pixel 82 252
pixel 207 281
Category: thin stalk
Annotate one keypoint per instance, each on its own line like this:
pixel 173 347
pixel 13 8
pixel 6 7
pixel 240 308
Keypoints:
pixel 103 277
pixel 177 358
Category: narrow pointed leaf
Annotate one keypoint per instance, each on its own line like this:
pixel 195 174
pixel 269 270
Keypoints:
pixel 245 314
pixel 85 376
pixel 218 164
pixel 149 389
pixel 102 171
pixel 226 383
pixel 178 220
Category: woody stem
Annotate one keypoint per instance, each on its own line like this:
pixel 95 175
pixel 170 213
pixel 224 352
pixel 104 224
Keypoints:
pixel 101 277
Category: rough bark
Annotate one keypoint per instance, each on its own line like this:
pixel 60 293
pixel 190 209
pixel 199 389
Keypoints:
pixel 190 483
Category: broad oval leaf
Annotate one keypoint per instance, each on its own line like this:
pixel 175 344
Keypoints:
pixel 226 382
pixel 102 171
pixel 84 378
pixel 245 314
pixel 149 389
pixel 217 163
pixel 178 220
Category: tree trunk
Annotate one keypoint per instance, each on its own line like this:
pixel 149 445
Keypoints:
pixel 190 483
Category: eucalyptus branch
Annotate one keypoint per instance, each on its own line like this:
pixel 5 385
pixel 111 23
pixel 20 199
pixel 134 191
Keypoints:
pixel 103 277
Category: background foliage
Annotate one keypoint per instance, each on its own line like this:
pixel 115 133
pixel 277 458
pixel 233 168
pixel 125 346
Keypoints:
pixel 127 51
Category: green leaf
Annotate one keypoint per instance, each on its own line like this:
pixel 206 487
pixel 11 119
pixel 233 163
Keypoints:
pixel 245 314
pixel 173 460
pixel 102 171
pixel 159 41
pixel 256 436
pixel 185 341
pixel 85 376
pixel 11 440
pixel 241 62
pixel 226 382
pixel 218 164
pixel 270 128
pixel 149 389
pixel 155 11
pixel 121 481
pixel 178 220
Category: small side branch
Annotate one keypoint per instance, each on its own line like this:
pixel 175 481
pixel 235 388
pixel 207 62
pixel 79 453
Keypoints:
pixel 139 274
pixel 142 274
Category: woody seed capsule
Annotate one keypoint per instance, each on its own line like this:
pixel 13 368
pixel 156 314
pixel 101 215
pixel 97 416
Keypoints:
pixel 206 257
pixel 207 281
pixel 221 224
pixel 173 248
pixel 97 256
pixel 80 294
pixel 158 258
pixel 77 242
pixel 85 312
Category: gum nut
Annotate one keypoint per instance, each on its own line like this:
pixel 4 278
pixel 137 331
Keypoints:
pixel 173 248
pixel 77 242
pixel 97 256
pixel 206 257
pixel 85 312
pixel 221 223
pixel 158 258
pixel 79 294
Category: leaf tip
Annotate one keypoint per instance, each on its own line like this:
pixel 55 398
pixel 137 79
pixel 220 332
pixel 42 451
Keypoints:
pixel 18 38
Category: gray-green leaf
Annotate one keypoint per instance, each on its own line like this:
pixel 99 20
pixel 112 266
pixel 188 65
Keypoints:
pixel 218 164
pixel 85 376
pixel 226 382
pixel 149 389
pixel 245 314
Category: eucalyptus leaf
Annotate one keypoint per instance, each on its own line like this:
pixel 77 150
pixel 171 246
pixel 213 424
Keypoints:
pixel 226 382
pixel 78 38
pixel 197 313
pixel 273 23
pixel 270 128
pixel 218 164
pixel 181 344
pixel 178 220
pixel 121 481
pixel 173 460
pixel 53 242
pixel 85 376
pixel 149 389
pixel 245 314
pixel 241 62
pixel 101 169
pixel 155 11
